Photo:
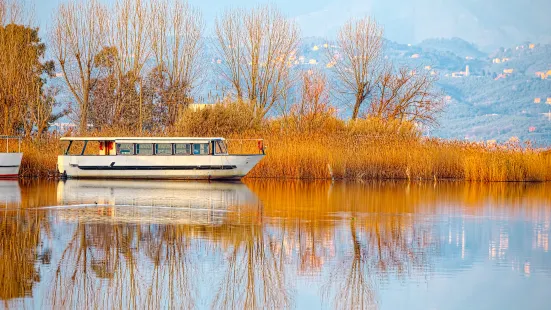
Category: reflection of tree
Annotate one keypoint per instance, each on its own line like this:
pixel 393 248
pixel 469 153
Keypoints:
pixel 20 236
pixel 254 276
pixel 169 248
pixel 22 250
pixel 357 234
pixel 382 245
pixel 100 267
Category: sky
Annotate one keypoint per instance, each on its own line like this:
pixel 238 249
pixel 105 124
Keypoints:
pixel 487 23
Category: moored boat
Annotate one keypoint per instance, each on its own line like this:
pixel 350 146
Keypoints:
pixel 155 158
pixel 10 161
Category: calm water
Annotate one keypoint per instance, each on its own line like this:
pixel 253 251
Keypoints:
pixel 265 244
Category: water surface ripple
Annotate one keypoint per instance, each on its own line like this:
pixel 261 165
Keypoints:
pixel 274 244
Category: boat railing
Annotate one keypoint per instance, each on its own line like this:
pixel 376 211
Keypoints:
pixel 8 138
pixel 246 146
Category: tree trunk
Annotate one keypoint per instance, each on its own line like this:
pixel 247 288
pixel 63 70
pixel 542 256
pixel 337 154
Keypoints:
pixel 84 116
pixel 356 110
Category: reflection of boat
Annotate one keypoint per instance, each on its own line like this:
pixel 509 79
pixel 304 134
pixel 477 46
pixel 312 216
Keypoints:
pixel 156 158
pixel 10 162
pixel 146 201
pixel 10 193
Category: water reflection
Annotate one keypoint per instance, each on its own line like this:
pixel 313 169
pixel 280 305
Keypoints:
pixel 270 244
pixel 10 193
pixel 151 202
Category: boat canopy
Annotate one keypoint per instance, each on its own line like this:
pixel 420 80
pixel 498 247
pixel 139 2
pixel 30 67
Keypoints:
pixel 144 139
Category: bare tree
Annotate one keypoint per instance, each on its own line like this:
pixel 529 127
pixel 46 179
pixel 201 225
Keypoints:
pixel 313 107
pixel 129 38
pixel 10 12
pixel 405 95
pixel 255 47
pixel 176 39
pixel 357 60
pixel 79 33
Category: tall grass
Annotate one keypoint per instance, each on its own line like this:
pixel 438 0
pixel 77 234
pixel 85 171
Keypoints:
pixel 364 149
pixel 343 156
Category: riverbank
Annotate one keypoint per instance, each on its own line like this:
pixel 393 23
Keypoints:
pixel 354 155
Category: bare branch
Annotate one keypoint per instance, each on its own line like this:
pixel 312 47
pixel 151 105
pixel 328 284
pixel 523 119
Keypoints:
pixel 256 47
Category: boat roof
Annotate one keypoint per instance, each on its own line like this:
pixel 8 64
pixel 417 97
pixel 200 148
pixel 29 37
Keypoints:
pixel 141 139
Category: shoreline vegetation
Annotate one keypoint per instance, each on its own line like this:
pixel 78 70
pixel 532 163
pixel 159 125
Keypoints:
pixel 363 150
pixel 134 68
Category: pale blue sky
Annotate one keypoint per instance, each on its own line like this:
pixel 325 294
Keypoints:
pixel 488 23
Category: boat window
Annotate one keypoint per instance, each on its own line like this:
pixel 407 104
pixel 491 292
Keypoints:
pixel 200 149
pixel 144 149
pixel 163 149
pixel 220 147
pixel 125 149
pixel 182 149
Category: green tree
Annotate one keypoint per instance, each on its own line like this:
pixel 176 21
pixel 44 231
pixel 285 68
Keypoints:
pixel 26 103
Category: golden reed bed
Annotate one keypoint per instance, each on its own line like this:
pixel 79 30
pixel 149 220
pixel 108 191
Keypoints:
pixel 361 151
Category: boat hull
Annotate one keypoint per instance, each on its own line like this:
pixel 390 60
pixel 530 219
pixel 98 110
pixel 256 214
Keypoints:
pixel 9 165
pixel 207 167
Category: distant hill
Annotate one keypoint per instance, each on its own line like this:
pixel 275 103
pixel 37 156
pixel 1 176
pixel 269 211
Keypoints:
pixel 456 46
pixel 490 104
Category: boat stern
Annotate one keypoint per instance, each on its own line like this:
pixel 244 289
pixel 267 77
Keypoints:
pixel 9 164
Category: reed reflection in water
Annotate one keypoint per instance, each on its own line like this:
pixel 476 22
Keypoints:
pixel 267 244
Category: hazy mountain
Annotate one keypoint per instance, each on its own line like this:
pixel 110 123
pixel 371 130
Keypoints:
pixel 487 23
pixel 457 46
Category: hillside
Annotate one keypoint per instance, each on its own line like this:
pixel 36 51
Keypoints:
pixel 495 102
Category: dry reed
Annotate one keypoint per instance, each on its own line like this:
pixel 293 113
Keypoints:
pixel 364 149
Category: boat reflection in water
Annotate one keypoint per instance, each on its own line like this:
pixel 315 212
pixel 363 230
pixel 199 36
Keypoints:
pixel 161 202
pixel 10 193
pixel 388 245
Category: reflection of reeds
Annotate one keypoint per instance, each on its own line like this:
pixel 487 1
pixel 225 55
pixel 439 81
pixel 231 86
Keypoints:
pixel 254 277
pixel 358 234
pixel 20 237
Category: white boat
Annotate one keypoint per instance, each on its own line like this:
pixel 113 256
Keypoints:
pixel 10 162
pixel 155 158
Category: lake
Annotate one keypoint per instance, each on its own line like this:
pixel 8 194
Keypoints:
pixel 274 244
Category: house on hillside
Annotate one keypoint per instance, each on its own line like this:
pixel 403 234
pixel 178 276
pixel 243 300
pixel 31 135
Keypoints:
pixel 415 56
pixel 537 100
pixel 541 75
pixel 548 100
pixel 467 72
pixel 508 71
